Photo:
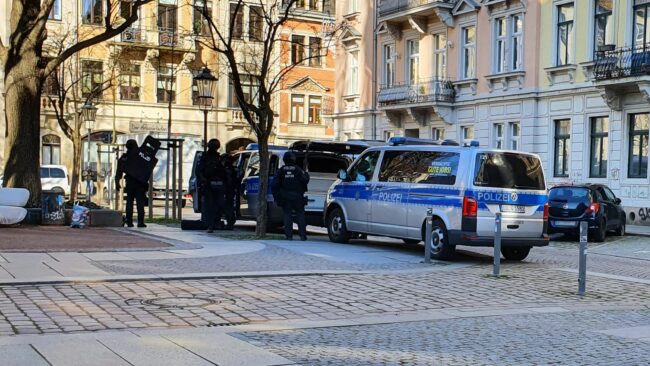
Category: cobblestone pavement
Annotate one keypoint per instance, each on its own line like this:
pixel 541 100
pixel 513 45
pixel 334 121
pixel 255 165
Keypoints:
pixel 271 258
pixel 542 339
pixel 70 307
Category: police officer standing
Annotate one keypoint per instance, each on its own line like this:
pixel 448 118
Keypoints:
pixel 135 190
pixel 289 187
pixel 212 176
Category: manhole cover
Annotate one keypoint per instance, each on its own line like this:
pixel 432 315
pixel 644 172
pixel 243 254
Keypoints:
pixel 179 302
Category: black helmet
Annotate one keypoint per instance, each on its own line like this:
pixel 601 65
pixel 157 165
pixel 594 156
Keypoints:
pixel 131 144
pixel 289 158
pixel 214 144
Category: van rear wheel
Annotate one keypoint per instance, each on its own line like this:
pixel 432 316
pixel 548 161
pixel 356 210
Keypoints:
pixel 336 228
pixel 515 253
pixel 440 246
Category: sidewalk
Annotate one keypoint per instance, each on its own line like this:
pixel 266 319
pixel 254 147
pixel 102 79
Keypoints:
pixel 638 230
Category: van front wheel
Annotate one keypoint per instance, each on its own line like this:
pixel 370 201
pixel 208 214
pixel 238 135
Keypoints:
pixel 336 228
pixel 515 253
pixel 440 247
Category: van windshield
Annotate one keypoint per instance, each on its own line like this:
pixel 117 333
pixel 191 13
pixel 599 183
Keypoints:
pixel 509 170
pixel 323 163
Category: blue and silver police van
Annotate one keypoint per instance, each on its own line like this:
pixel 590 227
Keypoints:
pixel 388 190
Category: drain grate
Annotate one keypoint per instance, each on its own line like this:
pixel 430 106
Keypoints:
pixel 179 302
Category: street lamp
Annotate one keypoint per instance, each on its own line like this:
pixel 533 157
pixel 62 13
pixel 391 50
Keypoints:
pixel 205 84
pixel 89 112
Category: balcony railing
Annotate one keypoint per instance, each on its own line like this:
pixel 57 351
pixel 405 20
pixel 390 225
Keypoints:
pixel 622 62
pixel 133 35
pixel 167 37
pixel 387 7
pixel 427 90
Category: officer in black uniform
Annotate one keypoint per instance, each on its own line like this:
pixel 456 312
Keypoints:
pixel 135 190
pixel 212 177
pixel 289 187
pixel 231 190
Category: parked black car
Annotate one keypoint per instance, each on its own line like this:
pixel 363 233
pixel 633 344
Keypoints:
pixel 595 203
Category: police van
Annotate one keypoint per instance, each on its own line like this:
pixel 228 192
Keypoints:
pixel 388 190
pixel 321 159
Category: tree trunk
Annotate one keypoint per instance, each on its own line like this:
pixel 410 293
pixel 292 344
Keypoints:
pixel 76 163
pixel 262 205
pixel 22 113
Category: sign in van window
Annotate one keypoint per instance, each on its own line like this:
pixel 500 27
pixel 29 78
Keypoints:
pixel 436 167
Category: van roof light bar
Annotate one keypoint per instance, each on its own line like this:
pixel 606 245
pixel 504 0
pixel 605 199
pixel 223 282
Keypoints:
pixel 400 140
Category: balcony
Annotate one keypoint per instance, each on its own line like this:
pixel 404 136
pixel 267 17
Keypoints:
pixel 133 35
pixel 620 71
pixel 418 99
pixel 398 8
pixel 168 37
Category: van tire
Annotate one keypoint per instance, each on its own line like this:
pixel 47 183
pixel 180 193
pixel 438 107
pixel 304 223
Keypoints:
pixel 441 249
pixel 58 190
pixel 515 253
pixel 336 228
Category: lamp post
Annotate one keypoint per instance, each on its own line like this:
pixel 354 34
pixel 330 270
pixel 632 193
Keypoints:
pixel 89 112
pixel 205 84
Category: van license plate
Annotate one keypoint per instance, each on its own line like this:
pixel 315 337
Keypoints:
pixel 513 209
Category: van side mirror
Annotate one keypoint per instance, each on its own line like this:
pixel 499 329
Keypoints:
pixel 343 175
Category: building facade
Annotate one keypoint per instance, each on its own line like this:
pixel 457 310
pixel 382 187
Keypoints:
pixel 565 79
pixel 146 75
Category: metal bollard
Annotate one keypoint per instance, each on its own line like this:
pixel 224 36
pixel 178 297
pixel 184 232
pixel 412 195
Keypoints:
pixel 582 269
pixel 497 245
pixel 428 236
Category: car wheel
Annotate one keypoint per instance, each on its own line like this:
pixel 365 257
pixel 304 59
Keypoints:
pixel 58 190
pixel 599 234
pixel 515 253
pixel 440 247
pixel 621 230
pixel 336 228
pixel 411 241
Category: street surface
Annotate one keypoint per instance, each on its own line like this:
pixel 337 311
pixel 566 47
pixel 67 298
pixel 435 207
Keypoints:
pixel 210 300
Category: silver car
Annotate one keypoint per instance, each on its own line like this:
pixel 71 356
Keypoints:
pixel 388 191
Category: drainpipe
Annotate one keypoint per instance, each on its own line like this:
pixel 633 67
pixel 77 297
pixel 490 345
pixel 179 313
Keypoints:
pixel 374 71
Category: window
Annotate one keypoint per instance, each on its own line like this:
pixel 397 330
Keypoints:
pixel 501 38
pixel 91 11
pixel 389 65
pixel 517 42
pixel 297 108
pixel 564 46
pixel 469 52
pixel 364 169
pixel 195 90
pixel 297 49
pixel 602 23
pixel 435 167
pixel 388 135
pixel 167 23
pixel 641 28
pixel 397 166
pixel 509 170
pixel 166 88
pixel 599 147
pixel 237 17
pixel 92 78
pixel 200 23
pixel 55 14
pixel 467 133
pixel 562 147
pixel 638 152
pixel 322 163
pixel 315 107
pixel 130 82
pixel 438 134
pixel 249 84
pixel 515 135
pixel 413 52
pixel 256 23
pixel 51 150
pixel 440 55
pixel 412 132
pixel 353 75
pixel 498 136
pixel 353 6
pixel 315 51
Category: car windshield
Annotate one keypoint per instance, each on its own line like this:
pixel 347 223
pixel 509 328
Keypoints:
pixel 509 170
pixel 568 194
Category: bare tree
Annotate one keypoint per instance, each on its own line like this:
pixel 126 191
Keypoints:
pixel 26 69
pixel 264 61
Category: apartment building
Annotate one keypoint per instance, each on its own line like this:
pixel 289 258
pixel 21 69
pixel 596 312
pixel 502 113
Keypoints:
pixel 567 79
pixel 151 67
